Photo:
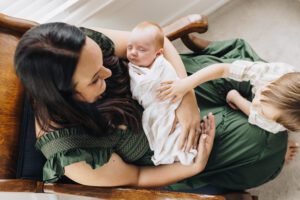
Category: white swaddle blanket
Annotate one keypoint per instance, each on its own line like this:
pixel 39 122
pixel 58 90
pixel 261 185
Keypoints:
pixel 158 116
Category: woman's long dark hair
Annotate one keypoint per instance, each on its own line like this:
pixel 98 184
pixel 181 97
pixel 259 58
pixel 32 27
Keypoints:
pixel 45 60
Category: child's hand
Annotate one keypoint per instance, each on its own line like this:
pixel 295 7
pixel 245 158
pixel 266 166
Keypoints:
pixel 173 90
pixel 231 97
pixel 205 143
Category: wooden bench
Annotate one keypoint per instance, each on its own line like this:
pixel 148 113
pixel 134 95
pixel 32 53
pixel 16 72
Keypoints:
pixel 11 110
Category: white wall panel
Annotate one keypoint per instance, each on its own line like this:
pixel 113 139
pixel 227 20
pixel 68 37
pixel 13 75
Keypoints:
pixel 116 14
pixel 160 11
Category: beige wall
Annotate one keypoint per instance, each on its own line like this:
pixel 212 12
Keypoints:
pixel 124 16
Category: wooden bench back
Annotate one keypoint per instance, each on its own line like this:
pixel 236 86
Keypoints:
pixel 11 94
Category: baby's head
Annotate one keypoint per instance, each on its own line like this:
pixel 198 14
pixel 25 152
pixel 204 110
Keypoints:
pixel 281 100
pixel 145 44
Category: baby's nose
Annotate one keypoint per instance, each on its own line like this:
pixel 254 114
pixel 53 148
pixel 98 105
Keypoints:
pixel 133 52
pixel 106 73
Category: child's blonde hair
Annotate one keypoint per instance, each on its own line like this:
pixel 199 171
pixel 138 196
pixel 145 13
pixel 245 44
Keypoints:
pixel 284 94
pixel 155 28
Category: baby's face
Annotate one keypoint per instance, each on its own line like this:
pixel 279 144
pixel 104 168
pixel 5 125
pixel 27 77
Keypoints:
pixel 141 48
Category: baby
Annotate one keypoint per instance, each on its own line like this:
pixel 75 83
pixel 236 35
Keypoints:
pixel 147 69
pixel 276 104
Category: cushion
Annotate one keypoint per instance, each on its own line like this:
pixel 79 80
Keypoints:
pixel 30 161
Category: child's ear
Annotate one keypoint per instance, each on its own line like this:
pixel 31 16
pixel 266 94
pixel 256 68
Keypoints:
pixel 160 51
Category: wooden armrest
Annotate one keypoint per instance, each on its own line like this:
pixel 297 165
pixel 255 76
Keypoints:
pixel 20 185
pixel 240 196
pixel 122 193
pixel 185 25
pixel 15 24
pixel 11 92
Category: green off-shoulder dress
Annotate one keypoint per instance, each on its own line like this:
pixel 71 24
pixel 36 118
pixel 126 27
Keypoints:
pixel 243 155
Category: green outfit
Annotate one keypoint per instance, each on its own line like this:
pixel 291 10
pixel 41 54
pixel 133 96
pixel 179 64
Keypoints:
pixel 243 155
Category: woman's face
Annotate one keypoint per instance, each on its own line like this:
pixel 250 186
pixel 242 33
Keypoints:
pixel 90 74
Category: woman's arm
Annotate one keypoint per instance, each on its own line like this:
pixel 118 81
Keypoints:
pixel 118 173
pixel 119 38
pixel 188 112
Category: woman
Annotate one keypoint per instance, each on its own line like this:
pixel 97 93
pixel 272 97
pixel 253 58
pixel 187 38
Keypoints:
pixel 88 127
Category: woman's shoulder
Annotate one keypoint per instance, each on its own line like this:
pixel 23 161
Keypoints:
pixel 65 146
pixel 117 38
pixel 64 139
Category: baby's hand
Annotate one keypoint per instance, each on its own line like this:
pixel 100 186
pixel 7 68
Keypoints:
pixel 173 90
pixel 231 98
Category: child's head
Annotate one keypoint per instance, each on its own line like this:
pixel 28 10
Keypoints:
pixel 283 95
pixel 145 43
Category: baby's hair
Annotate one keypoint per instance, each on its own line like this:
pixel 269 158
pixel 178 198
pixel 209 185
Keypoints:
pixel 284 94
pixel 151 26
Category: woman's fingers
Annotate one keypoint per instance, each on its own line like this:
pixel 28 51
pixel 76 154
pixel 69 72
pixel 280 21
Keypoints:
pixel 182 138
pixel 212 125
pixel 190 140
pixel 188 117
pixel 208 128
pixel 212 130
pixel 197 137
pixel 206 140
pixel 205 125
pixel 173 126
pixel 203 154
pixel 201 145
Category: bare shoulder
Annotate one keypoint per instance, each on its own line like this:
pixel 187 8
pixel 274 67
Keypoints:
pixel 39 131
pixel 119 38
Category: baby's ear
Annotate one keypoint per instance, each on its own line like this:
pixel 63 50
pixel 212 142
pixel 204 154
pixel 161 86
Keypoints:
pixel 160 51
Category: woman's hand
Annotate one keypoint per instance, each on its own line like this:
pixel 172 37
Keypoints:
pixel 205 143
pixel 174 90
pixel 189 118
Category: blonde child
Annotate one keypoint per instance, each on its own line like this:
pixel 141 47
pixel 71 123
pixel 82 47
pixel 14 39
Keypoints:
pixel 276 104
pixel 147 68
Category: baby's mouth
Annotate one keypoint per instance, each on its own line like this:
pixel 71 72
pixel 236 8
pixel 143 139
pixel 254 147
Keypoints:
pixel 133 60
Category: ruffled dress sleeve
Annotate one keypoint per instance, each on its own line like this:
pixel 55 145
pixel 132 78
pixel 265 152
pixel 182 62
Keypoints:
pixel 70 145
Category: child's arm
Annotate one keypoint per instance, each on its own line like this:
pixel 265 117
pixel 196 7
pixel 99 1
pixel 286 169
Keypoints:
pixel 237 101
pixel 178 88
